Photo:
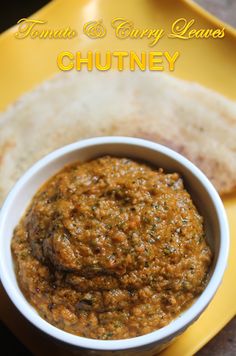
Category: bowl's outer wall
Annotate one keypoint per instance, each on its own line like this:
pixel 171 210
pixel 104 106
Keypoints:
pixel 38 175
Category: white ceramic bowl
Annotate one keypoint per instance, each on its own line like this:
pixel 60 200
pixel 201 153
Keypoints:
pixel 204 196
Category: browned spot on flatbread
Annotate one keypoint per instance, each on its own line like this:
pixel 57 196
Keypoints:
pixel 217 172
pixel 5 148
pixel 174 145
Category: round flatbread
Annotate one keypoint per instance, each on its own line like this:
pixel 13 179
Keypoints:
pixel 185 116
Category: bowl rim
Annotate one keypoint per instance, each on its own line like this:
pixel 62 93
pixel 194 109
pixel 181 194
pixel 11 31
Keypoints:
pixel 160 335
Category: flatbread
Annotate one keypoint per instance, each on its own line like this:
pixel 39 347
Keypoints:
pixel 185 116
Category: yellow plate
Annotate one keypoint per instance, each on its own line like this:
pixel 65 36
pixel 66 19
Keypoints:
pixel 25 63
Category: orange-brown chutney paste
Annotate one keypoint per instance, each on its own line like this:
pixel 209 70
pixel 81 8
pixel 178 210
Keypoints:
pixel 111 249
